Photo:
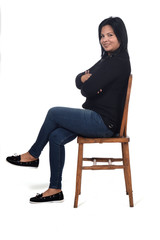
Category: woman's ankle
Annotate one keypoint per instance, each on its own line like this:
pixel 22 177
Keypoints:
pixel 51 191
pixel 27 157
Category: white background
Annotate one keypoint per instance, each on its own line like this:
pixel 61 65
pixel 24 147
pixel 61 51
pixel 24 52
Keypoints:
pixel 44 45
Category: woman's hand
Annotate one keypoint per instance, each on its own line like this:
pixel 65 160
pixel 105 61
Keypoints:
pixel 86 76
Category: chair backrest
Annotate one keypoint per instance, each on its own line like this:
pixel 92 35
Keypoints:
pixel 123 129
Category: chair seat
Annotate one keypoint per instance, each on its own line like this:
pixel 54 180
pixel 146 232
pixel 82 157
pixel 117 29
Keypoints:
pixel 103 140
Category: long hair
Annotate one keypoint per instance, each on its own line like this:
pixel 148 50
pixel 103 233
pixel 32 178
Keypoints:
pixel 119 29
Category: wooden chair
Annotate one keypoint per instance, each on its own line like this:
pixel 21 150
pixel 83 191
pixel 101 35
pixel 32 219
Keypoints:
pixel 125 161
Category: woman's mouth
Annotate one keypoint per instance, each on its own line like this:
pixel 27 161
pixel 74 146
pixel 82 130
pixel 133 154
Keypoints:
pixel 106 45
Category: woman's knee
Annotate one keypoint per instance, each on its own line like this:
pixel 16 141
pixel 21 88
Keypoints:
pixel 54 138
pixel 57 137
pixel 53 111
pixel 61 136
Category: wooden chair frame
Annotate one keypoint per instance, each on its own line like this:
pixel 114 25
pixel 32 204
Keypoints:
pixel 122 139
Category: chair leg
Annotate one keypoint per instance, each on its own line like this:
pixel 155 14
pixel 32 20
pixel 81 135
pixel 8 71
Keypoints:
pixel 79 174
pixel 125 175
pixel 80 166
pixel 127 172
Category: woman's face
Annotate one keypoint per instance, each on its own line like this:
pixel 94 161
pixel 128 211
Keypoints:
pixel 109 40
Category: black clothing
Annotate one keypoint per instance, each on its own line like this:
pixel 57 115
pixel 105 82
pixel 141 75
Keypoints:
pixel 110 74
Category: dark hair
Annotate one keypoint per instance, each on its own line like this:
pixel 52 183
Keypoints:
pixel 119 29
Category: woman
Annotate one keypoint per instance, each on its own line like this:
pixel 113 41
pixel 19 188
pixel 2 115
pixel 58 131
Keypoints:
pixel 104 85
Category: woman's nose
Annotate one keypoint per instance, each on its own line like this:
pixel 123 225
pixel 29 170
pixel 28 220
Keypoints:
pixel 105 38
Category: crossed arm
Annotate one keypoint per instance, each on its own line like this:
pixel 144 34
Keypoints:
pixel 96 80
pixel 86 76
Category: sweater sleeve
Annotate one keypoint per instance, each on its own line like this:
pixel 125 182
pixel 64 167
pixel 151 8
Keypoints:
pixel 107 72
pixel 79 83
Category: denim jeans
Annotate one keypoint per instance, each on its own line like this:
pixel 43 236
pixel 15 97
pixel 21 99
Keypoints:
pixel 61 126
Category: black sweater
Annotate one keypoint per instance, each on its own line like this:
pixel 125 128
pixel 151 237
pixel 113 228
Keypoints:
pixel 111 75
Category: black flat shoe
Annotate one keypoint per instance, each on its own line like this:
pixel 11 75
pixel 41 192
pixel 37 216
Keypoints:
pixel 16 161
pixel 58 197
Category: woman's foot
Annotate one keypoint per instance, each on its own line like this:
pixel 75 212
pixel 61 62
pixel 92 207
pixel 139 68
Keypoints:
pixel 51 195
pixel 51 191
pixel 27 157
pixel 25 160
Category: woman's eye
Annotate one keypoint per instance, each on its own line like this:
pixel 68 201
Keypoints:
pixel 109 35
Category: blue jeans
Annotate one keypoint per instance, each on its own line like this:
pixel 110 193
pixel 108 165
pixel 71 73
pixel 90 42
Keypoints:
pixel 61 126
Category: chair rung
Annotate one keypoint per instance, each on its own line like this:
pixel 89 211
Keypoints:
pixel 103 159
pixel 102 167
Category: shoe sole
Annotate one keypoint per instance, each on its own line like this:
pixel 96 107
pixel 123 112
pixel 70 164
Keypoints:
pixel 57 201
pixel 18 165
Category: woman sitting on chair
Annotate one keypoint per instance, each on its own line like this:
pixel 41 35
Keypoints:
pixel 104 85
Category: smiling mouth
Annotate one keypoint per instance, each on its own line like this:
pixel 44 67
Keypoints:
pixel 106 45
